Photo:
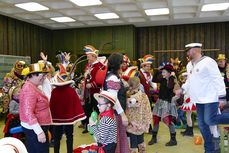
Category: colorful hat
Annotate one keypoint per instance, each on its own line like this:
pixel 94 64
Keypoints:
pixel 12 145
pixel 168 67
pixel 192 45
pixel 88 49
pixel 62 78
pixel 35 68
pixel 19 65
pixel 130 72
pixel 126 59
pixel 147 59
pixel 221 57
pixel 107 95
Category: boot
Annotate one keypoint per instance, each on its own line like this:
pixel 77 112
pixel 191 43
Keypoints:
pixel 189 132
pixel 133 150
pixel 183 132
pixel 142 147
pixel 173 141
pixel 153 139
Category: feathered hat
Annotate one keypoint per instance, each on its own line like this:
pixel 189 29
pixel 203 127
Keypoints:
pixel 147 59
pixel 89 49
pixel 126 59
pixel 62 78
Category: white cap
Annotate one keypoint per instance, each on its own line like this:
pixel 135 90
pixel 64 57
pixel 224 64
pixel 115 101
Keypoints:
pixel 193 45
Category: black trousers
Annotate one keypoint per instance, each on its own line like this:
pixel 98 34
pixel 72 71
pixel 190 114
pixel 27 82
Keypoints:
pixel 109 148
pixel 89 107
pixel 58 132
pixel 135 140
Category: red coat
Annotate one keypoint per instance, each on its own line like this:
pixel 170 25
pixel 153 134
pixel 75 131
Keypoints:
pixel 91 79
pixel 145 84
pixel 65 106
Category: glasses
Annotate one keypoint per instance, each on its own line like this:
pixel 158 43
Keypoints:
pixel 42 74
pixel 99 105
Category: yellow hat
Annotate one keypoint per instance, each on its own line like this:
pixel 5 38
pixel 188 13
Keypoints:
pixel 221 57
pixel 35 68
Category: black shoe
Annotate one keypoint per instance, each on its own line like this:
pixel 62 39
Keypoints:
pixel 171 143
pixel 152 141
pixel 85 131
pixel 189 132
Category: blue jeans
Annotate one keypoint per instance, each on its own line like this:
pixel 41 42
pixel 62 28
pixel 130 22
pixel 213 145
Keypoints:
pixel 181 117
pixel 32 143
pixel 208 115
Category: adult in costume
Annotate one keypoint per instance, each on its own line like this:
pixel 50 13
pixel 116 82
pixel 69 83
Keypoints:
pixel 224 70
pixel 90 86
pixel 145 75
pixel 34 110
pixel 113 83
pixel 206 88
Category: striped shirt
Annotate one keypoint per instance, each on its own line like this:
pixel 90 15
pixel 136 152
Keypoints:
pixel 106 132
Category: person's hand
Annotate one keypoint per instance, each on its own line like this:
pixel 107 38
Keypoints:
pixel 41 137
pixel 173 74
pixel 222 103
pixel 44 57
pixel 92 122
pixel 88 86
pixel 124 119
pixel 67 56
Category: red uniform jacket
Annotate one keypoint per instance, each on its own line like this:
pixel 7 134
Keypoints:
pixel 90 73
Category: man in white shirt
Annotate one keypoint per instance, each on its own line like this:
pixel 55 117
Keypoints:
pixel 206 88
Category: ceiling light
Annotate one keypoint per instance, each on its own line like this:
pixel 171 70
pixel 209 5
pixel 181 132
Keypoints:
pixel 215 7
pixel 63 19
pixel 107 16
pixel 32 6
pixel 86 2
pixel 160 11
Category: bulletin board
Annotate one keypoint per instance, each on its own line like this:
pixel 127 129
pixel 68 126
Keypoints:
pixel 7 62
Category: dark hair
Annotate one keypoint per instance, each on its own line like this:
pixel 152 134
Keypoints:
pixel 114 62
pixel 32 74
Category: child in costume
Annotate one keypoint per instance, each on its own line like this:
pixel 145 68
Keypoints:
pixel 106 131
pixel 65 108
pixel 139 115
pixel 189 107
pixel 13 115
pixel 164 109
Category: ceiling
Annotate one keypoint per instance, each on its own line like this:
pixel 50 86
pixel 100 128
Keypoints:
pixel 131 12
